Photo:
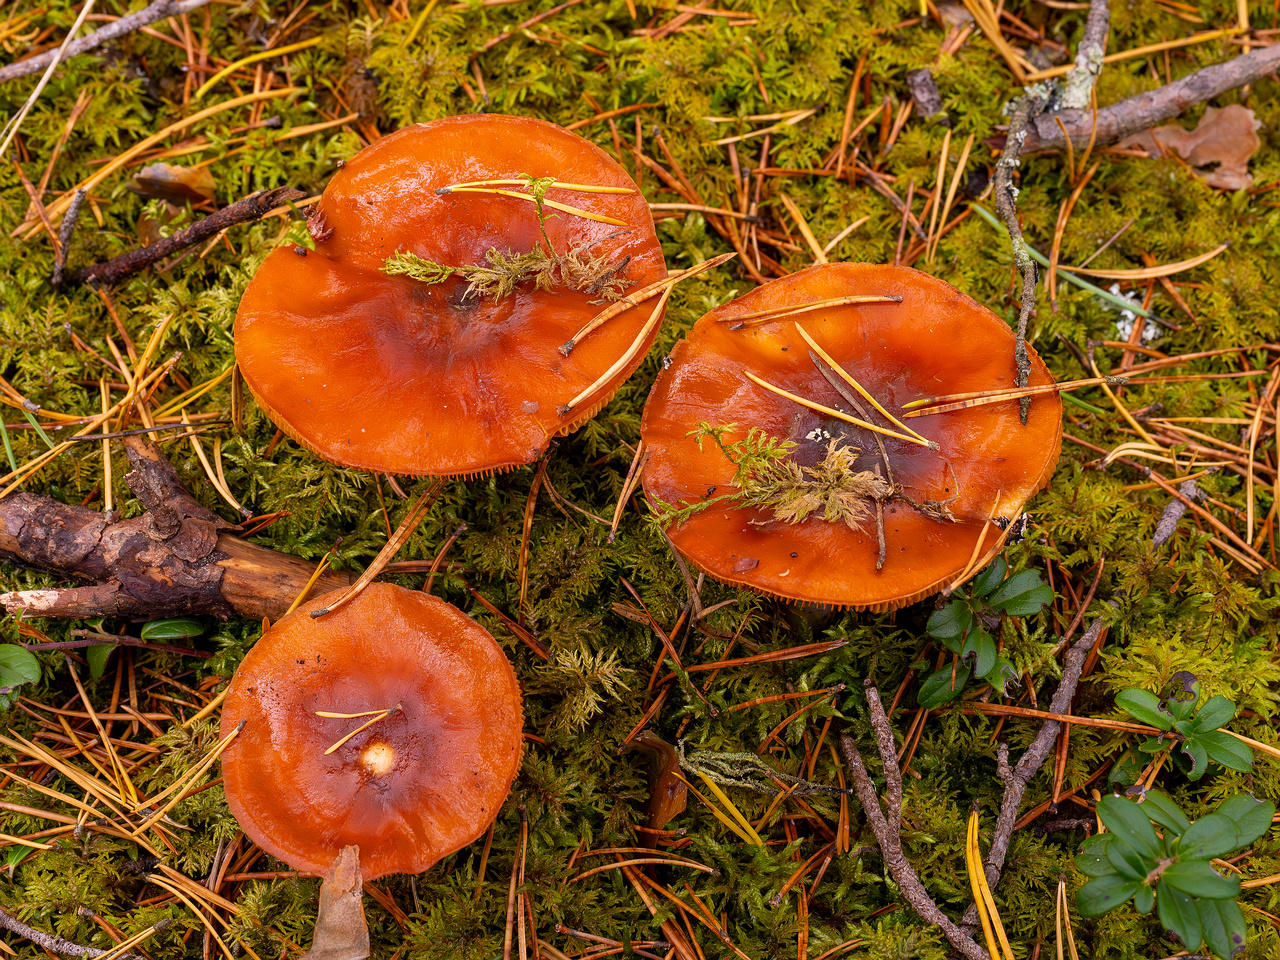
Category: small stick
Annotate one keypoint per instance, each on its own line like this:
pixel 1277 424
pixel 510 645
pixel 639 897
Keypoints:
pixel 64 234
pixel 777 313
pixel 819 408
pixel 249 208
pixel 639 297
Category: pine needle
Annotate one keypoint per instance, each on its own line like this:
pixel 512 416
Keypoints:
pixel 819 408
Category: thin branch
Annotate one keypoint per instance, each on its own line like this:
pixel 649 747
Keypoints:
pixel 68 227
pixel 252 207
pixel 1026 109
pixel 1148 109
pixel 1093 47
pixel 156 11
pixel 47 941
pixel 1017 779
pixel 887 829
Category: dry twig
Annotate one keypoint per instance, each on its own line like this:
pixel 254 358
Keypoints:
pixel 47 941
pixel 1093 47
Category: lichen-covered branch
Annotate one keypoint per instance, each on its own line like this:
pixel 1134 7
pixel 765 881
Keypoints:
pixel 47 941
pixel 156 11
pixel 1093 47
pixel 1026 109
pixel 1146 110
pixel 887 826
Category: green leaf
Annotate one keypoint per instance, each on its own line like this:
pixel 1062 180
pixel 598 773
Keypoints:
pixel 1222 923
pixel 1199 758
pixel 1022 594
pixel 1144 899
pixel 1217 711
pixel 1182 703
pixel 989 579
pixel 97 656
pixel 17 666
pixel 1252 817
pixel 1093 860
pixel 1227 750
pixel 177 628
pixel 1197 879
pixel 940 689
pixel 1158 807
pixel 1105 893
pixel 1178 913
pixel 1144 707
pixel 1130 824
pixel 983 648
pixel 1002 672
pixel 1209 837
pixel 1128 862
pixel 951 622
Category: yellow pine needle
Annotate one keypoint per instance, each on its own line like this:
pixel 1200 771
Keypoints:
pixel 719 814
pixel 321 567
pixel 940 179
pixel 209 927
pixel 1008 394
pixel 24 842
pixel 213 475
pixel 123 784
pixel 125 946
pixel 555 185
pixel 732 808
pixel 951 196
pixel 209 707
pixel 553 204
pixel 1138 52
pixel 195 393
pixel 628 355
pixel 382 715
pixel 1063 918
pixel 253 58
pixel 640 296
pixel 61 797
pixel 349 716
pixel 848 378
pixel 803 225
pixel 977 549
pixel 60 205
pixel 178 787
pixel 778 313
pixel 103 792
pixel 1120 406
pixel 819 408
pixel 982 895
pixel 789 122
pixel 71 734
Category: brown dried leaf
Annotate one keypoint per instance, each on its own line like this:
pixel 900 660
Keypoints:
pixel 1227 137
pixel 341 930
pixel 667 792
pixel 177 184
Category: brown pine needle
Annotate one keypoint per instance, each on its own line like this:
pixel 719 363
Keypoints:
pixel 627 356
pixel 951 196
pixel 178 787
pixel 555 185
pixel 638 861
pixel 640 296
pixel 778 313
pixel 553 204
pixel 421 507
pixel 381 715
pixel 979 398
pixel 1150 273
pixel 977 549
pixel 836 414
pixel 936 201
pixel 848 378
pixel 321 567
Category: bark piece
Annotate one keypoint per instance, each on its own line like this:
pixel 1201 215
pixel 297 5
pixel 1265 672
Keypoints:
pixel 342 933
pixel 924 91
pixel 176 559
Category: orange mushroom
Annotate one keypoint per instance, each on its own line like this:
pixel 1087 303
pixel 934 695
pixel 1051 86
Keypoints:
pixel 384 348
pixel 779 373
pixel 392 724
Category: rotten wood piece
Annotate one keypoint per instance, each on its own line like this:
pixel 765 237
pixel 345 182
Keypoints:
pixel 177 559
pixel 244 210
pixel 1146 110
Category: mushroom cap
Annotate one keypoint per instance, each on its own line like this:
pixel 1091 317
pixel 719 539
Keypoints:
pixel 936 341
pixel 413 787
pixel 387 373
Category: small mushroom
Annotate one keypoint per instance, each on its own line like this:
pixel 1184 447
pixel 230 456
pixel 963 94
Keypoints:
pixel 843 514
pixel 392 724
pixel 390 348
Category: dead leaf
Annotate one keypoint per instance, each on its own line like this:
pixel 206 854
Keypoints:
pixel 342 932
pixel 667 792
pixel 170 182
pixel 1227 137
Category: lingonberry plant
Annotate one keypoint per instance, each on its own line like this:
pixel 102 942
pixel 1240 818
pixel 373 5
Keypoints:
pixel 1200 737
